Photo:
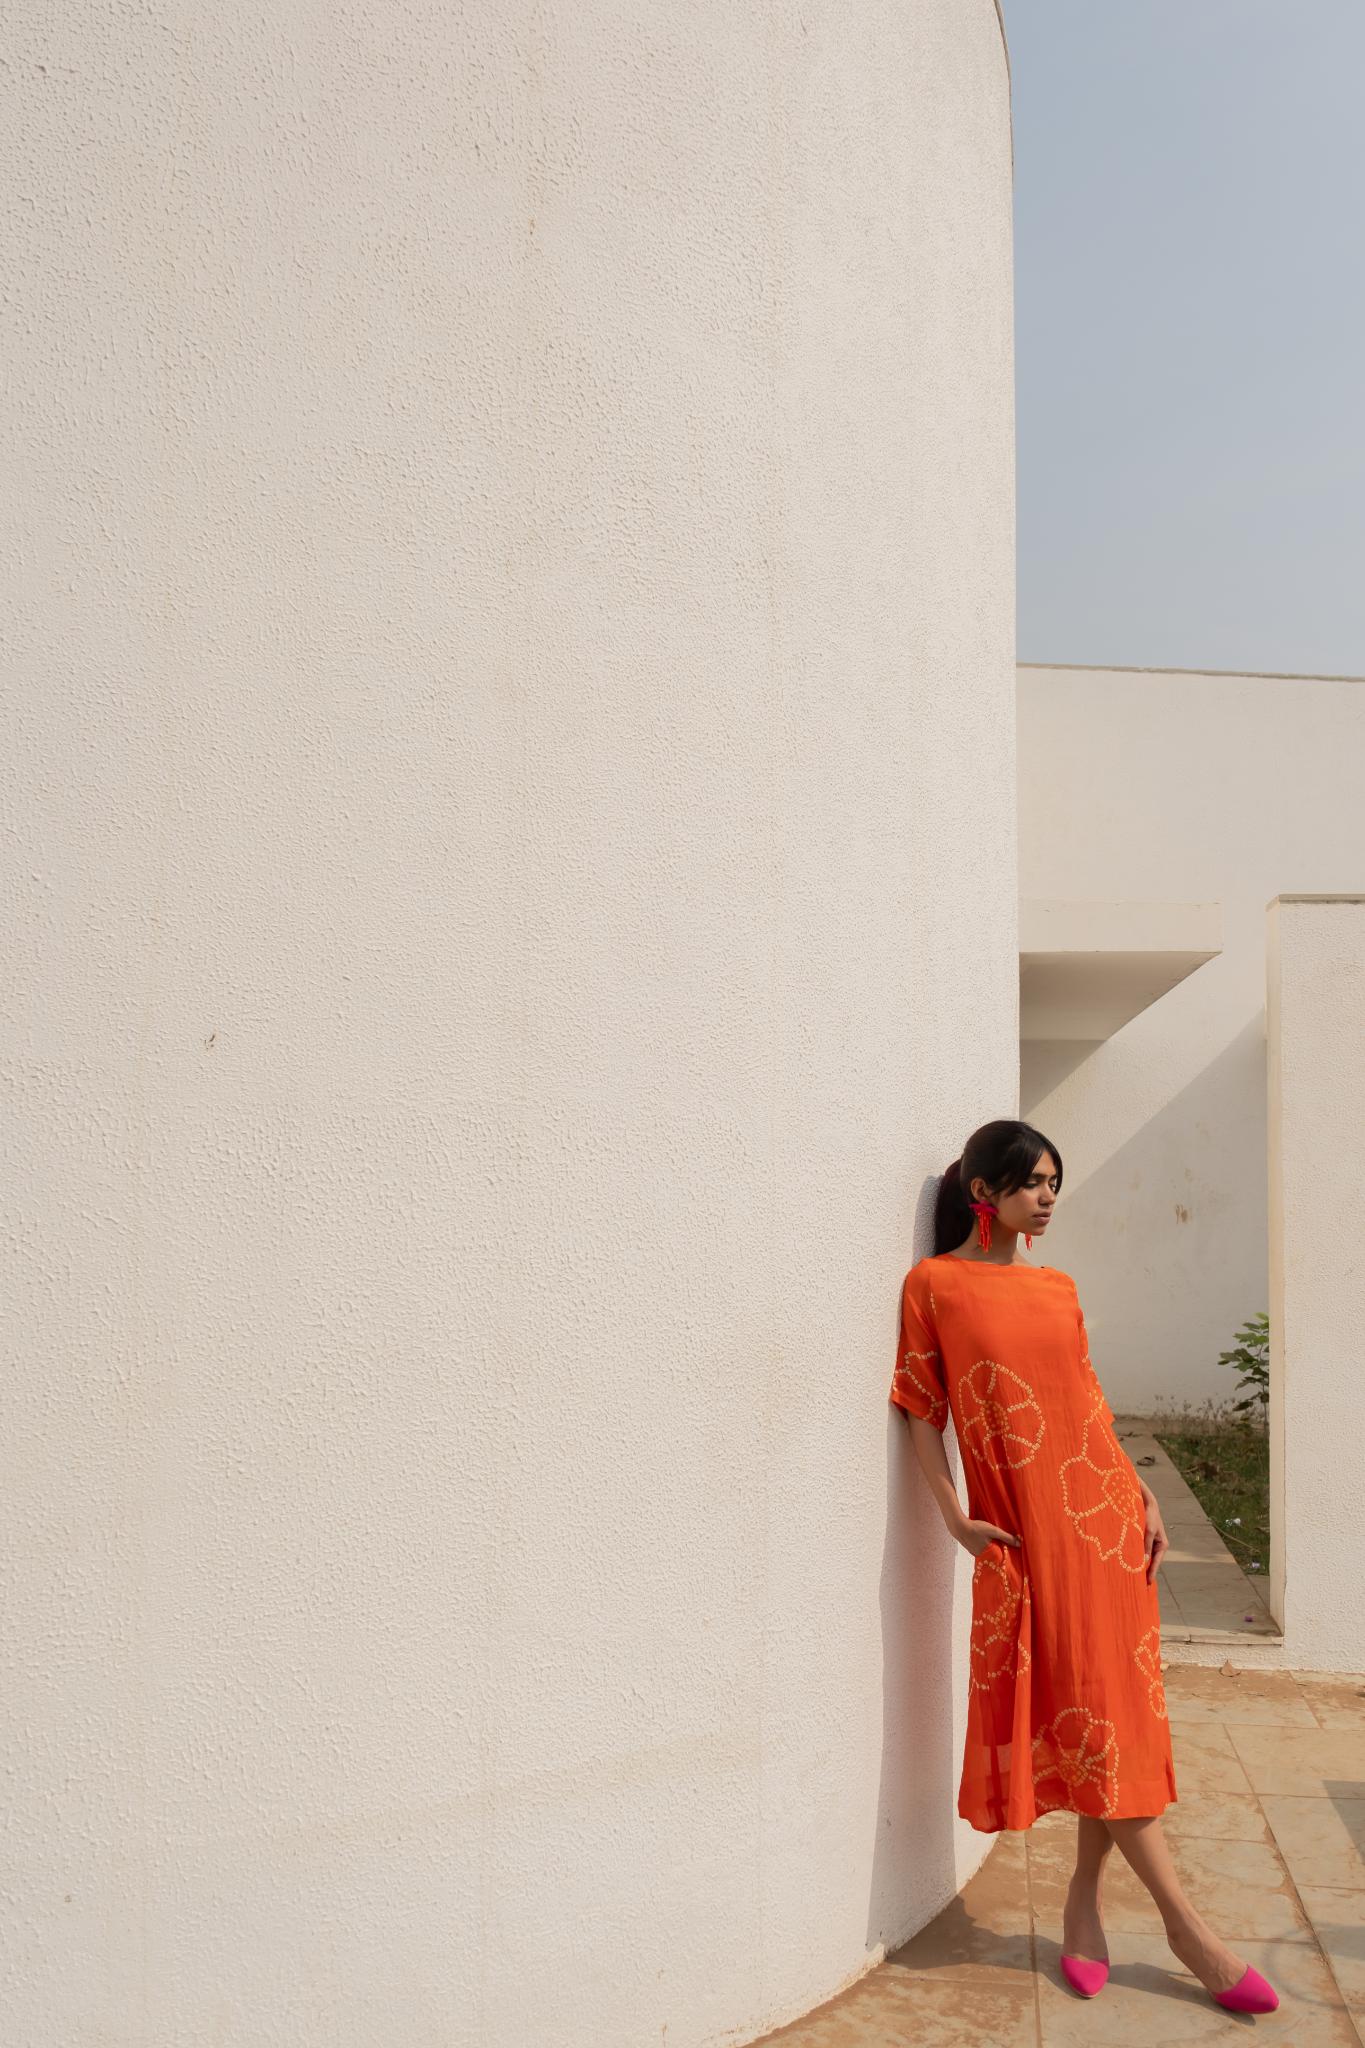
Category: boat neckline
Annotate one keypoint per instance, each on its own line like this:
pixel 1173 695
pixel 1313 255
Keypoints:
pixel 1001 1265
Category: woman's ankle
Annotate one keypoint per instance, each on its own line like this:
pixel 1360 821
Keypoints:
pixel 1193 1929
pixel 1217 1965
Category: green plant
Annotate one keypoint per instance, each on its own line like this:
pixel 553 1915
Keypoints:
pixel 1252 1356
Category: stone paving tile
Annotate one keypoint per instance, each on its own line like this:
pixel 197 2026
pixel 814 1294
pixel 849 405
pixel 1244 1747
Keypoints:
pixel 902 2009
pixel 1180 1509
pixel 1338 1919
pixel 1214 1560
pixel 929 2013
pixel 1211 1682
pixel 1219 1596
pixel 1197 1693
pixel 1339 1704
pixel 1205 1760
pixel 1306 1762
pixel 1218 1571
pixel 1322 1841
pixel 1225 1619
pixel 1215 1816
pixel 1179 1501
pixel 1194 1543
pixel 1241 1888
pixel 1269 1698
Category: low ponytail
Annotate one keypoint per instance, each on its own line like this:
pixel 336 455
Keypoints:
pixel 953 1217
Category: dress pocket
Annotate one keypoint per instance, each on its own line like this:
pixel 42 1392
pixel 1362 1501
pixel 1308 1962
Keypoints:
pixel 997 1596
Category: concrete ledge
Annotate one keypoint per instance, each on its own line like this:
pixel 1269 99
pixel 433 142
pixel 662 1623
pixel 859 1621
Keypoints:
pixel 1087 968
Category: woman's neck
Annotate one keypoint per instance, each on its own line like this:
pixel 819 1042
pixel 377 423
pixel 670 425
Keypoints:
pixel 1004 1247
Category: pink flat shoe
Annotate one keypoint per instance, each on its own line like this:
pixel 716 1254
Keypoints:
pixel 1250 1993
pixel 1087 1977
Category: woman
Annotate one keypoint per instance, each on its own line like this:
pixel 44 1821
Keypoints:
pixel 1066 1705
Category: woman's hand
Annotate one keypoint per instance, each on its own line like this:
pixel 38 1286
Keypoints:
pixel 1155 1542
pixel 975 1535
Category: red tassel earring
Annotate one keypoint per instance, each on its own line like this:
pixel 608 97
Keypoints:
pixel 984 1212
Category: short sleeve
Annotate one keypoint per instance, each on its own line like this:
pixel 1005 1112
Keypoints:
pixel 1092 1377
pixel 917 1383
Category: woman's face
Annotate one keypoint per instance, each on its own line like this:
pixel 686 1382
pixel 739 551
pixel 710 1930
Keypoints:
pixel 1029 1207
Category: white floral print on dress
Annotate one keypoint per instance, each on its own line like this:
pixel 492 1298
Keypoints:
pixel 996 1602
pixel 1077 1749
pixel 908 1382
pixel 1147 1657
pixel 1101 1495
pixel 1001 1421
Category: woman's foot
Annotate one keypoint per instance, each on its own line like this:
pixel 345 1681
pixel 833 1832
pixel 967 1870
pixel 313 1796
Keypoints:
pixel 1082 1929
pixel 1194 1943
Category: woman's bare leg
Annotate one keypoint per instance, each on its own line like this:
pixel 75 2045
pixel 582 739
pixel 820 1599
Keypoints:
pixel 1082 1929
pixel 1194 1943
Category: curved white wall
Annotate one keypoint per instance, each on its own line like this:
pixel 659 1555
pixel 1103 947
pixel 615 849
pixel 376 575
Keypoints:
pixel 510 755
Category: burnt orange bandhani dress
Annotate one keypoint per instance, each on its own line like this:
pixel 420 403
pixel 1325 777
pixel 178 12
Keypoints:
pixel 1066 1705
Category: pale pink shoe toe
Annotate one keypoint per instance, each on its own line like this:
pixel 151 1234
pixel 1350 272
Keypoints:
pixel 1085 1976
pixel 1250 1993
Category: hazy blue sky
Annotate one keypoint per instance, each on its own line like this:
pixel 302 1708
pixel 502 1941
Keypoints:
pixel 1190 332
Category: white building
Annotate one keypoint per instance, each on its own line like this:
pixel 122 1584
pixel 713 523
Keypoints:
pixel 1159 812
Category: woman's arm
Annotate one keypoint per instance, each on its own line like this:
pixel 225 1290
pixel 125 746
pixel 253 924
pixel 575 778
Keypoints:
pixel 933 1459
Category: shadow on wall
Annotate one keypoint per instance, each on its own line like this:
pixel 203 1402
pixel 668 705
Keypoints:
pixel 917 1866
pixel 1167 1235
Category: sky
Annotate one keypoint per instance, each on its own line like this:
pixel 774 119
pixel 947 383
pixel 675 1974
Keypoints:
pixel 1190 332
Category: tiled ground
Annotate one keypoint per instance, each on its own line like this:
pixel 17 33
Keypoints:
pixel 1268 1835
pixel 1206 1597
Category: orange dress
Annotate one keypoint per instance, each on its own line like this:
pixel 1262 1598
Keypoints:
pixel 1066 1705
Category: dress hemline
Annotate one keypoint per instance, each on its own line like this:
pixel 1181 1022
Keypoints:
pixel 1137 1807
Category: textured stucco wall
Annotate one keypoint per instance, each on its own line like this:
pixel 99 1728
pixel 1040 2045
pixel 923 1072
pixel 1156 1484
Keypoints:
pixel 1169 787
pixel 510 629
pixel 1315 998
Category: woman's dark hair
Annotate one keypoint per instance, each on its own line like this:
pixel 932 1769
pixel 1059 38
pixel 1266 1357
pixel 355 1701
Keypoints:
pixel 1003 1154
